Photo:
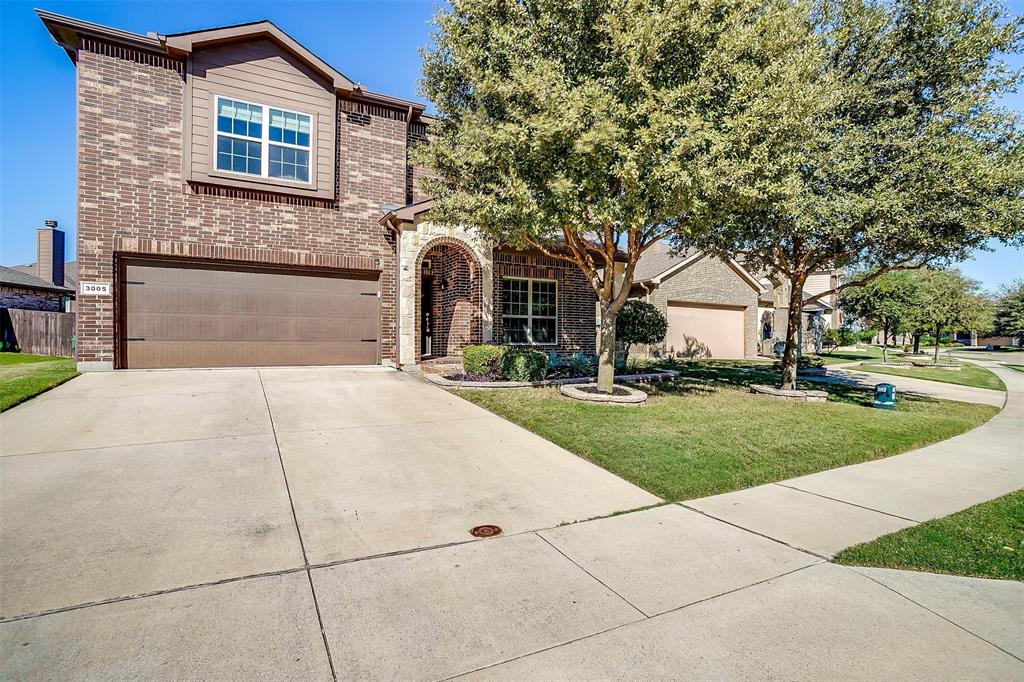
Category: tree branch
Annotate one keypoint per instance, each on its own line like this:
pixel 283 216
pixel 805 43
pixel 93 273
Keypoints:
pixel 903 264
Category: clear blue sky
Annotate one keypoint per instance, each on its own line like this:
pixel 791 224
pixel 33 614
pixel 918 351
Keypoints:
pixel 375 43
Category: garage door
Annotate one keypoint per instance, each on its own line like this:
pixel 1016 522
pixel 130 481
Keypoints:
pixel 703 330
pixel 205 315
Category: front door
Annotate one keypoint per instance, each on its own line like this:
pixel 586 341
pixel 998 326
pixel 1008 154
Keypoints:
pixel 426 316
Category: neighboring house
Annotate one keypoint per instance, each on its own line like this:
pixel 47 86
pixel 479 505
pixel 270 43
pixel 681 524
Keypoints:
pixel 973 338
pixel 45 284
pixel 50 268
pixel 773 308
pixel 242 203
pixel 711 305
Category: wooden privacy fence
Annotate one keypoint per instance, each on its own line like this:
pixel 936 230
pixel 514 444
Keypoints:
pixel 38 332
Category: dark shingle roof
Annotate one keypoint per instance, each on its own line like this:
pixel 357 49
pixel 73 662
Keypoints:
pixel 657 259
pixel 19 277
pixel 70 272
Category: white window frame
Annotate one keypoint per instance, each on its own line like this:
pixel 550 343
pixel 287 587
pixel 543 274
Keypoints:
pixel 529 311
pixel 264 141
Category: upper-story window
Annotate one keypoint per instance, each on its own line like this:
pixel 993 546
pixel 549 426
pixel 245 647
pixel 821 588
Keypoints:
pixel 255 139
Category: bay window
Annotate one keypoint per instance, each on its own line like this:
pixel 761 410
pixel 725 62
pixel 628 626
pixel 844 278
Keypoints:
pixel 529 310
pixel 264 141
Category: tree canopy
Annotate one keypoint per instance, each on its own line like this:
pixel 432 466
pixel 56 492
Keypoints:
pixel 1009 312
pixel 888 302
pixel 905 157
pixel 949 302
pixel 590 129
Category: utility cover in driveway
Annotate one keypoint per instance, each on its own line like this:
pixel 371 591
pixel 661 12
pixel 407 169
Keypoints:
pixel 210 315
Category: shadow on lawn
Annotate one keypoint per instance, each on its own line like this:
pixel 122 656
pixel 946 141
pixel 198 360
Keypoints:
pixel 707 376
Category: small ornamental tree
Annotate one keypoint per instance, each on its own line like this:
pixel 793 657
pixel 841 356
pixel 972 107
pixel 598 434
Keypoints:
pixel 639 322
pixel 949 301
pixel 888 303
pixel 1009 313
pixel 905 159
pixel 589 130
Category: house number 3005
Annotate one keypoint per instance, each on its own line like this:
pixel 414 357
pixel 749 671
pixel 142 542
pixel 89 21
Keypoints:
pixel 95 288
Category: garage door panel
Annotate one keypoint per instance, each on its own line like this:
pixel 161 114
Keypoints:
pixel 705 330
pixel 202 315
pixel 248 353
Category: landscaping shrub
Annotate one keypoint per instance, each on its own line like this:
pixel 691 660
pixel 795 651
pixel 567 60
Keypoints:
pixel 867 335
pixel 580 365
pixel 523 364
pixel 639 322
pixel 843 336
pixel 483 359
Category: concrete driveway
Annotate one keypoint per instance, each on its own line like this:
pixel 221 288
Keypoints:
pixel 313 525
pixel 217 492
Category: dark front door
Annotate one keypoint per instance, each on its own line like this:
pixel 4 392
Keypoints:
pixel 427 317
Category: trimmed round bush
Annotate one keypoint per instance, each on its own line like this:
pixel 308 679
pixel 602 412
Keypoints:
pixel 483 359
pixel 523 364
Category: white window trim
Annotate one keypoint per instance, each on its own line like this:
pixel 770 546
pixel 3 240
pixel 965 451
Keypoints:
pixel 264 141
pixel 529 311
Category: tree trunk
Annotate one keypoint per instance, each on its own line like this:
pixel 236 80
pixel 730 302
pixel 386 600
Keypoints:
pixel 790 356
pixel 938 335
pixel 606 354
pixel 885 344
pixel 917 342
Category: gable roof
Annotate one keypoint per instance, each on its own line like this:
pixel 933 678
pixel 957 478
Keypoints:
pixel 660 261
pixel 66 32
pixel 179 44
pixel 15 277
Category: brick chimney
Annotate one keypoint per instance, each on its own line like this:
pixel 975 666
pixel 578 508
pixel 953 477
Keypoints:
pixel 50 253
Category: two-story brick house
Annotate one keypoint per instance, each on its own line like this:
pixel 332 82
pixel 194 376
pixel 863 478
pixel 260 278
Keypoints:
pixel 243 203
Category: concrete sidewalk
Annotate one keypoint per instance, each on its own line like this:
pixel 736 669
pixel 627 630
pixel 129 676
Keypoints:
pixel 830 510
pixel 858 375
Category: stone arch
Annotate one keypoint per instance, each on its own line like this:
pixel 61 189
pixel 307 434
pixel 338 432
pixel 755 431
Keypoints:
pixel 456 276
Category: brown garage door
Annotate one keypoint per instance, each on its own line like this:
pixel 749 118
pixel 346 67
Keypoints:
pixel 209 315
pixel 705 330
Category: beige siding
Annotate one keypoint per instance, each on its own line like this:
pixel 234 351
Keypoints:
pixel 817 283
pixel 262 73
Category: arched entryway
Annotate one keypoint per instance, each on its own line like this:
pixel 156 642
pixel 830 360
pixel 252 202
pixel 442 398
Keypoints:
pixel 448 299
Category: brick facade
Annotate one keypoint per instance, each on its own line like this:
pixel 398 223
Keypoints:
pixel 31 299
pixel 133 197
pixel 577 311
pixel 709 280
pixel 456 295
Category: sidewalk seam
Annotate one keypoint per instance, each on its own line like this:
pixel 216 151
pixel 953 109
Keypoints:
pixel 636 622
pixel 935 613
pixel 298 531
pixel 601 582
pixel 852 504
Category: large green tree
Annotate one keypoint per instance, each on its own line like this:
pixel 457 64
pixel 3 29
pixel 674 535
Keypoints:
pixel 949 302
pixel 591 129
pixel 888 302
pixel 907 159
pixel 1009 313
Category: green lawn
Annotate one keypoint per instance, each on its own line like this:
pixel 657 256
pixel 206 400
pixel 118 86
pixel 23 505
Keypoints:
pixel 1019 368
pixel 23 376
pixel 986 541
pixel 867 353
pixel 970 375
pixel 704 434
